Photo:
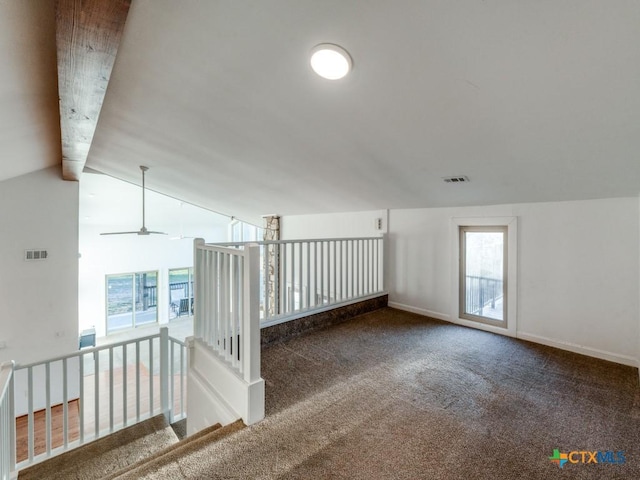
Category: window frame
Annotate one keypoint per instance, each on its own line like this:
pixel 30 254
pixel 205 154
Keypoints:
pixel 463 229
pixel 509 327
pixel 133 325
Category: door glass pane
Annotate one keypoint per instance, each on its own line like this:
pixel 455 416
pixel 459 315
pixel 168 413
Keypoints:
pixel 119 302
pixel 180 292
pixel 236 232
pixel 146 298
pixel 484 270
pixel 249 233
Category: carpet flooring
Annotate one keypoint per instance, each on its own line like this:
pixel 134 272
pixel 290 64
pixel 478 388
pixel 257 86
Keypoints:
pixel 107 454
pixel 393 395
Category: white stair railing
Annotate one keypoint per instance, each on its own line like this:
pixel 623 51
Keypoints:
pixel 298 278
pixel 94 392
pixel 226 305
pixel 7 422
pixel 224 355
pixel 302 277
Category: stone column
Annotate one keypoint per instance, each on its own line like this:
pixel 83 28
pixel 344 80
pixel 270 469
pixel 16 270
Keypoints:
pixel 272 232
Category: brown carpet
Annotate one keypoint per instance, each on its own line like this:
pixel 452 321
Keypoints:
pixel 158 461
pixel 392 395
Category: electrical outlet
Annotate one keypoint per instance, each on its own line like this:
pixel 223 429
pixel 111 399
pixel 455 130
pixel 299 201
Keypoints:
pixel 60 334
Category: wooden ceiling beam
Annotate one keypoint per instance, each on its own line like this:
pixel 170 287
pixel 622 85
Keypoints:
pixel 88 33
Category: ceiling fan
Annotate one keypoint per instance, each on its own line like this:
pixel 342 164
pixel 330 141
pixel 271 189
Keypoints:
pixel 143 230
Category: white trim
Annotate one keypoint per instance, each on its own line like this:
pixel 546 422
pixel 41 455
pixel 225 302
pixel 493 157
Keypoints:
pixel 529 337
pixel 638 359
pixel 512 276
pixel 222 408
pixel 245 399
pixel 575 348
pixel 420 311
pixel 507 332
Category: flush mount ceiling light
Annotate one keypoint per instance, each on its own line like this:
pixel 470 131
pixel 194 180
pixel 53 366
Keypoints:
pixel 330 61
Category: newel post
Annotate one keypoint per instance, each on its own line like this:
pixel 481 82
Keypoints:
pixel 251 314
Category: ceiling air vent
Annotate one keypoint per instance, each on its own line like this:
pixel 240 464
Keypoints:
pixel 457 179
pixel 37 254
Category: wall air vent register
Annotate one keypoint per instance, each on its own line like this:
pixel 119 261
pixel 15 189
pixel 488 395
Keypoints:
pixel 35 254
pixel 457 179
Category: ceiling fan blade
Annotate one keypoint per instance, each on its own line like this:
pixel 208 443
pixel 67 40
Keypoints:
pixel 120 233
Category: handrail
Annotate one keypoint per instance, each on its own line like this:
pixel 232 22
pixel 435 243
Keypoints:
pixel 86 351
pixel 482 292
pixel 179 342
pixel 179 285
pixel 296 277
pixel 279 242
pixel 224 248
pixel 305 276
pixel 102 400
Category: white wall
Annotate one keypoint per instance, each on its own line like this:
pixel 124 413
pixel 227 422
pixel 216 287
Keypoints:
pixel 333 225
pixel 578 275
pixel 109 205
pixel 578 267
pixel 39 309
pixel 39 386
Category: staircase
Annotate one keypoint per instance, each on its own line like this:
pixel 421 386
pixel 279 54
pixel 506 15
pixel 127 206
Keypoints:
pixel 104 389
pixel 140 451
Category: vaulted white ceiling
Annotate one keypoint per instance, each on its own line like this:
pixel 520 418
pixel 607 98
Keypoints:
pixel 533 101
pixel 29 120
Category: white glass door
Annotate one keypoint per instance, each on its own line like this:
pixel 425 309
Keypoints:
pixel 483 267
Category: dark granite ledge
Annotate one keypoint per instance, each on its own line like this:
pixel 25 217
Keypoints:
pixel 294 328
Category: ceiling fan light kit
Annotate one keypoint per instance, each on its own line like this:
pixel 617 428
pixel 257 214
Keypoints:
pixel 143 230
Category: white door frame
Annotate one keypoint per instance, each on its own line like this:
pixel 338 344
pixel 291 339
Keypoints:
pixel 512 278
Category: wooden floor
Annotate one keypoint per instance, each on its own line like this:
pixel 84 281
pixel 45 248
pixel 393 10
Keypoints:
pixel 149 396
pixel 39 429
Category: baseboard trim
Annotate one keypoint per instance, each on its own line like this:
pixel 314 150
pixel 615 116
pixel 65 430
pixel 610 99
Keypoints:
pixel 575 348
pixel 420 311
pixel 530 337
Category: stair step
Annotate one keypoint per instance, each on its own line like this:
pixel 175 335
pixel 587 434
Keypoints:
pixel 202 433
pixel 180 428
pixel 105 455
pixel 148 467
